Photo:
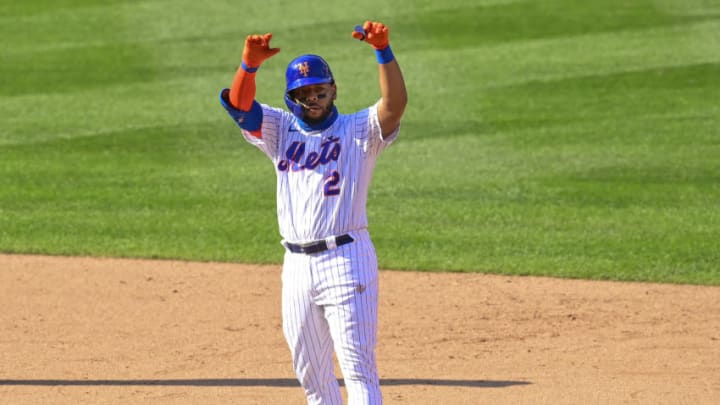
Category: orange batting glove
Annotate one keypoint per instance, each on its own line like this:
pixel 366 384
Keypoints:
pixel 257 50
pixel 374 33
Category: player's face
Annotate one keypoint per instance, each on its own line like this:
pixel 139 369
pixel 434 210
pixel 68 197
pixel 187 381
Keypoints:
pixel 317 101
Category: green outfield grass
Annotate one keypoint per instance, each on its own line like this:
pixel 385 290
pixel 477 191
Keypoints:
pixel 561 138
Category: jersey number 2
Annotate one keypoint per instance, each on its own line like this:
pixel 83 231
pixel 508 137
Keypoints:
pixel 331 184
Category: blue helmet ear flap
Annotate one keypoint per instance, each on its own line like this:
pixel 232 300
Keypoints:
pixel 294 107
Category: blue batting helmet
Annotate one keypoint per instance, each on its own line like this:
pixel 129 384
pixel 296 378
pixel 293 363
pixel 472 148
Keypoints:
pixel 302 71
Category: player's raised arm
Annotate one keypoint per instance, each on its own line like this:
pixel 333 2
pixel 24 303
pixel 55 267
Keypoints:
pixel 392 84
pixel 241 95
pixel 257 49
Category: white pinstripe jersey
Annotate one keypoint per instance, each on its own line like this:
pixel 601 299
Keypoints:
pixel 322 176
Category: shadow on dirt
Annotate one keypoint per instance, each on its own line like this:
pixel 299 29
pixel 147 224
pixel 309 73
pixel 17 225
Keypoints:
pixel 257 382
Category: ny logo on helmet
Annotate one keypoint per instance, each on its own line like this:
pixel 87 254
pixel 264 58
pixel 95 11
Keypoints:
pixel 303 68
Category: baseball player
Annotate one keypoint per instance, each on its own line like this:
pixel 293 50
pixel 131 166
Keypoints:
pixel 324 161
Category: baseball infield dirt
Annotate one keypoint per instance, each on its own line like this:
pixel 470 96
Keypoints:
pixel 109 331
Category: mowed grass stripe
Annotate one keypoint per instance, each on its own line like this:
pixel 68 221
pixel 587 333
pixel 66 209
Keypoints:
pixel 157 192
pixel 534 222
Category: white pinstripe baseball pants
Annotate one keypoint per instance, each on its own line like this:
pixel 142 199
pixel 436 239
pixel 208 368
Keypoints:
pixel 329 302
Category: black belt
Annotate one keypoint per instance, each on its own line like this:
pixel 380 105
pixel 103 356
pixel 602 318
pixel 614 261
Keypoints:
pixel 318 245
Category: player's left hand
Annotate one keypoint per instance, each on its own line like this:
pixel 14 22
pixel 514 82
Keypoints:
pixel 374 33
pixel 257 50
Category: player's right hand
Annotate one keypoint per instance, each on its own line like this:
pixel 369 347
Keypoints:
pixel 257 49
pixel 374 33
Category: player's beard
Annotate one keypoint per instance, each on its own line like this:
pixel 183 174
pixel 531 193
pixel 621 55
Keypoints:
pixel 317 120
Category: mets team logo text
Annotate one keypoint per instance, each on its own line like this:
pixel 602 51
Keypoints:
pixel 297 160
